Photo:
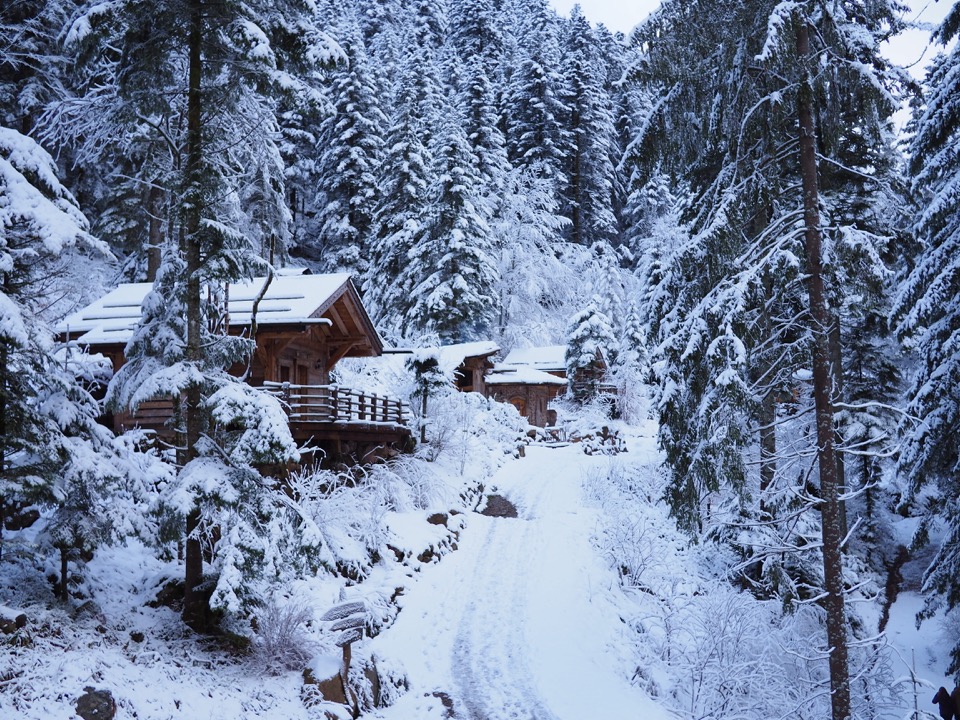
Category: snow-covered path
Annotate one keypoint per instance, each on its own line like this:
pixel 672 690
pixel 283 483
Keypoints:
pixel 521 622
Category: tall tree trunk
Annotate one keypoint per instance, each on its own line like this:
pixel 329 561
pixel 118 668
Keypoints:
pixel 64 574
pixel 3 435
pixel 768 403
pixel 820 322
pixel 194 605
pixel 768 450
pixel 155 238
pixel 836 362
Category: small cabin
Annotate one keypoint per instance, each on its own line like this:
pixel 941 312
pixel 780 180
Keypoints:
pixel 587 382
pixel 550 359
pixel 304 325
pixel 471 362
pixel 529 390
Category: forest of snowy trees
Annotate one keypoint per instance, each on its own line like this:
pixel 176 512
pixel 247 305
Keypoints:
pixel 719 202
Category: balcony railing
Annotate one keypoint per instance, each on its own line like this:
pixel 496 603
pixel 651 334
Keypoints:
pixel 336 404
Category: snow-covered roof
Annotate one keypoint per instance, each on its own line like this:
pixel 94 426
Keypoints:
pixel 453 355
pixel 547 358
pixel 521 375
pixel 290 299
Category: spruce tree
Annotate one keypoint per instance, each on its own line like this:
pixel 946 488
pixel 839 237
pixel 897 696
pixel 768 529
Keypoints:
pixel 590 340
pixel 349 150
pixel 453 274
pixel 731 340
pixel 220 65
pixel 927 310
pixel 534 105
pixel 52 451
pixel 403 201
pixel 588 165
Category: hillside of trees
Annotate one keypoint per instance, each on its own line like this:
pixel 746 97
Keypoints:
pixel 719 202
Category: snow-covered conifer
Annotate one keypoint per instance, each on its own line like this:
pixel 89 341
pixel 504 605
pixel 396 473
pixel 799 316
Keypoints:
pixel 349 149
pixel 928 313
pixel 402 206
pixel 534 105
pixel 590 342
pixel 453 274
pixel 590 142
pixel 52 450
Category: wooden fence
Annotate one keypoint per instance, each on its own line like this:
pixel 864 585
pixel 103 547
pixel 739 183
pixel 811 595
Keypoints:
pixel 332 403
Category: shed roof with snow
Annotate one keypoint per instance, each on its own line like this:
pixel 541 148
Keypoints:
pixel 451 356
pixel 520 375
pixel 549 358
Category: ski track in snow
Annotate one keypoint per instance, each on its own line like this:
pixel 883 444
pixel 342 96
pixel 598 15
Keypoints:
pixel 518 624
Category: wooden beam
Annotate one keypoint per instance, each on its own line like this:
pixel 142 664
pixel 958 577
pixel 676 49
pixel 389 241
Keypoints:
pixel 334 314
pixel 338 352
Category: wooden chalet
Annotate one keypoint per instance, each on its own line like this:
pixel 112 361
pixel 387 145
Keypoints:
pixel 305 324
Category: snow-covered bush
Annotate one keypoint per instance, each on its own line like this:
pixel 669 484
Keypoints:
pixel 282 642
pixel 707 648
pixel 472 435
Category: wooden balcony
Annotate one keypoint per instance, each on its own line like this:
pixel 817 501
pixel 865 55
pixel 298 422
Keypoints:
pixel 335 404
pixel 340 421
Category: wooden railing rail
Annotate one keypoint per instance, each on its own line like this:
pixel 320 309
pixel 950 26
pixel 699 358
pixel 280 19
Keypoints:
pixel 333 403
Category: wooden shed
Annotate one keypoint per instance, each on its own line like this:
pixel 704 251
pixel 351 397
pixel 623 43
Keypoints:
pixel 551 359
pixel 305 324
pixel 529 390
pixel 470 363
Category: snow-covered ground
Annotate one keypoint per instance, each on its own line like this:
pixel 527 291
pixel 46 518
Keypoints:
pixel 522 621
pixel 530 618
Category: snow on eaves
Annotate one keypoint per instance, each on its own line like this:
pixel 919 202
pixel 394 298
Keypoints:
pixel 520 375
pixel 290 298
pixel 546 358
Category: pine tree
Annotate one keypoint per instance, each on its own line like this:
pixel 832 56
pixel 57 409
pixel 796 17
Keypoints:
pixel 31 70
pixel 535 111
pixel 349 147
pixel 927 311
pixel 223 111
pixel 590 339
pixel 401 211
pixel 483 131
pixel 728 352
pixel 52 451
pixel 453 274
pixel 589 154
pixel 476 33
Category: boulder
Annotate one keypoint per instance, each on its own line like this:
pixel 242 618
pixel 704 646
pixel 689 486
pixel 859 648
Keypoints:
pixel 11 620
pixel 20 518
pixel 96 705
pixel 438 519
pixel 323 673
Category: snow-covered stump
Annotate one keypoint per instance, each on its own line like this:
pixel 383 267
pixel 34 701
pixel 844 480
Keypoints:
pixel 323 684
